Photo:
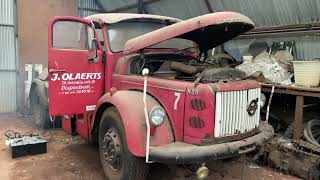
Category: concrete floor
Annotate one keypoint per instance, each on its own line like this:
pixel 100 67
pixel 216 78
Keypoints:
pixel 72 158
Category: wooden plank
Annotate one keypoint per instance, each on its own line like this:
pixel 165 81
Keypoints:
pixel 296 88
pixel 291 92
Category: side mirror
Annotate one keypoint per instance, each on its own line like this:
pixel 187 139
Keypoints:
pixel 93 47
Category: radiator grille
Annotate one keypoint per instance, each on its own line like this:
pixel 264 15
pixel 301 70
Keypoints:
pixel 231 116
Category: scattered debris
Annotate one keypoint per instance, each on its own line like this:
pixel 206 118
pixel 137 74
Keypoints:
pixel 254 166
pixel 300 159
pixel 269 67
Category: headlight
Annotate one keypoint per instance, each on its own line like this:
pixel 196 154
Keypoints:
pixel 263 100
pixel 157 116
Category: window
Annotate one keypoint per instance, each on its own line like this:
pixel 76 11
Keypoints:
pixel 70 35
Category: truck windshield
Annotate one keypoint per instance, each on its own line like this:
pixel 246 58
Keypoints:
pixel 120 33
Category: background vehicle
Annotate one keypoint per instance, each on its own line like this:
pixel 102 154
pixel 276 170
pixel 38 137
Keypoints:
pixel 186 109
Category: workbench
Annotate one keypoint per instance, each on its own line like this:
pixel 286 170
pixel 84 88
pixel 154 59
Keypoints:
pixel 299 92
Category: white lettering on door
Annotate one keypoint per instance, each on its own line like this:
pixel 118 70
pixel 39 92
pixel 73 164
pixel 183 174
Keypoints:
pixel 76 83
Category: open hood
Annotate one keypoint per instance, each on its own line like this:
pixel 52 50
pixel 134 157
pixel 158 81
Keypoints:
pixel 207 31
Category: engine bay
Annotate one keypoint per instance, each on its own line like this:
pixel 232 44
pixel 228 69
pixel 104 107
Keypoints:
pixel 219 67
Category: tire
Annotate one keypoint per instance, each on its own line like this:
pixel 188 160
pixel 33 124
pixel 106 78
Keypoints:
pixel 40 114
pixel 117 161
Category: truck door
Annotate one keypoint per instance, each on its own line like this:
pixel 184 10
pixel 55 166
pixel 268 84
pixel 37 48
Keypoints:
pixel 76 77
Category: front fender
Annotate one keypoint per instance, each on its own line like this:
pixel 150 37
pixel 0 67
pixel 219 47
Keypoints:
pixel 131 109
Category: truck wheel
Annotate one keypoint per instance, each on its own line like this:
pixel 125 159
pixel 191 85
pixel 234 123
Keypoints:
pixel 41 114
pixel 117 161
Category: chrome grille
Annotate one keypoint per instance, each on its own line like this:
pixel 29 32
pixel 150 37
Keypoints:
pixel 231 115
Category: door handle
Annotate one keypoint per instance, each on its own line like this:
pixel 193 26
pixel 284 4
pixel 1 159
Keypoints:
pixel 56 70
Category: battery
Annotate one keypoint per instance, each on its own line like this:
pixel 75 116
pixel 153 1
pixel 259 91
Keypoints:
pixel 37 145
pixel 18 147
pixel 27 145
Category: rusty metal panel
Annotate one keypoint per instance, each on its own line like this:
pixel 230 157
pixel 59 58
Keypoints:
pixel 8 94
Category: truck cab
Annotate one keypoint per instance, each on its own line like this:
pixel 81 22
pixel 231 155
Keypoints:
pixel 144 88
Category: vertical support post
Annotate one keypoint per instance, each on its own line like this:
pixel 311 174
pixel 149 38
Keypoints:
pixel 208 6
pixel 298 119
pixel 140 7
pixel 27 83
pixel 16 48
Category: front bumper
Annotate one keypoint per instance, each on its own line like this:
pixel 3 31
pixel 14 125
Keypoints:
pixel 183 153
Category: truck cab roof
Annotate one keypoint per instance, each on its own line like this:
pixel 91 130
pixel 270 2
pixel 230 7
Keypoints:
pixel 110 18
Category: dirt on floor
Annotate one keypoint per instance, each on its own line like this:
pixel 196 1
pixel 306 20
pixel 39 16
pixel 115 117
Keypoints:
pixel 72 158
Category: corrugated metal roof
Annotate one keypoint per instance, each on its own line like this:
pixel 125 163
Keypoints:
pixel 263 13
pixel 272 12
pixel 180 9
pixel 90 7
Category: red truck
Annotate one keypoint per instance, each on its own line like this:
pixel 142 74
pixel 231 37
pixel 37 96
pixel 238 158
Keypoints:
pixel 144 88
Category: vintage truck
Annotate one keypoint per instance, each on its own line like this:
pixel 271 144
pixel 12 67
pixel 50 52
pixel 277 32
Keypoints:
pixel 144 88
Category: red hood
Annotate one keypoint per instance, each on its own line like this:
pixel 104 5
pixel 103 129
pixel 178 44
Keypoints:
pixel 207 31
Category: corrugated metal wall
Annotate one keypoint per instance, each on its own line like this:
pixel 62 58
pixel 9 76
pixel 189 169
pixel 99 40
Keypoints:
pixel 306 47
pixel 8 60
pixel 87 8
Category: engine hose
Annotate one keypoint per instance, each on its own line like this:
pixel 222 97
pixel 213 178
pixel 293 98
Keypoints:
pixel 312 136
pixel 317 138
pixel 310 124
pixel 316 134
pixel 188 69
pixel 306 136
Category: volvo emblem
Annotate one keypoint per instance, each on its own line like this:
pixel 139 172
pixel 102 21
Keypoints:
pixel 253 106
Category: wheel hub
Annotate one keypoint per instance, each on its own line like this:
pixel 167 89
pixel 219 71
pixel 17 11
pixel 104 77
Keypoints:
pixel 111 149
